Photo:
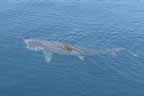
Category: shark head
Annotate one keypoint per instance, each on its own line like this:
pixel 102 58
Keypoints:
pixel 33 44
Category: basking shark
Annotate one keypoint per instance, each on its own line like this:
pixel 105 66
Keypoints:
pixel 48 48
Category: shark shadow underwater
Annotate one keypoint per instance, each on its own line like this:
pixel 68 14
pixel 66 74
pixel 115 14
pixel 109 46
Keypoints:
pixel 48 48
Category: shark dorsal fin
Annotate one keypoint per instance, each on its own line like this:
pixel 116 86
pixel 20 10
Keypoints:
pixel 67 47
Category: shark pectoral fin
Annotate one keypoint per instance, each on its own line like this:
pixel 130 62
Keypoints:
pixel 48 56
pixel 113 53
pixel 81 57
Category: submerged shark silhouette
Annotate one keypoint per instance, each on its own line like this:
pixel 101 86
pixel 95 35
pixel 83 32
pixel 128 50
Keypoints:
pixel 49 48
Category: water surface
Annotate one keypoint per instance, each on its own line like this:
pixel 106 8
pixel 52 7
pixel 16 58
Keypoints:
pixel 98 24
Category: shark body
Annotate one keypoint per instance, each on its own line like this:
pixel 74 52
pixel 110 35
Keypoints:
pixel 49 48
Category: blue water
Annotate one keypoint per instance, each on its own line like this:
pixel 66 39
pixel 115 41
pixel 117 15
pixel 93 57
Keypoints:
pixel 98 24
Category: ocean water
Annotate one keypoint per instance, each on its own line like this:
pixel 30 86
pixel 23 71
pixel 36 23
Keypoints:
pixel 98 24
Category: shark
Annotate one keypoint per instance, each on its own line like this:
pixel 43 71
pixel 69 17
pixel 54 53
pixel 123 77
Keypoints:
pixel 48 48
